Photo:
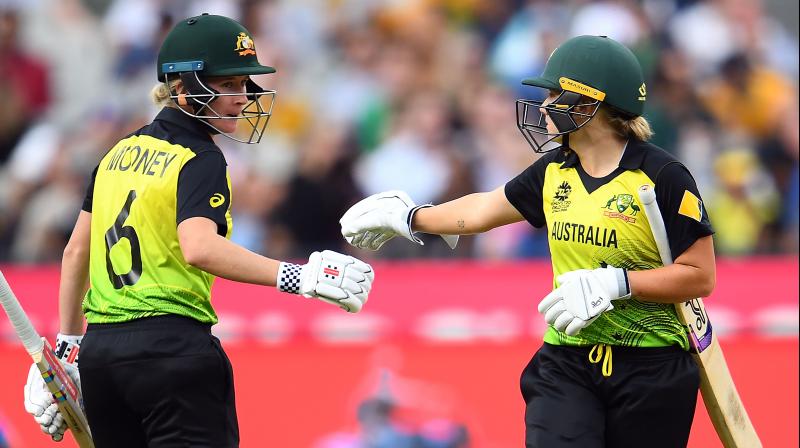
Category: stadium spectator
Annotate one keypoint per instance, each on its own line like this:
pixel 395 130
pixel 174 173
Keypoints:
pixel 365 68
pixel 24 84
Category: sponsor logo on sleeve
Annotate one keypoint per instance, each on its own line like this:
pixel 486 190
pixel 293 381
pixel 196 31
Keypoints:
pixel 216 200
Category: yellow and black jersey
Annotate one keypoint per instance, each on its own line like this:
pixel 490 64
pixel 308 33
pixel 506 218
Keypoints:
pixel 158 176
pixel 595 222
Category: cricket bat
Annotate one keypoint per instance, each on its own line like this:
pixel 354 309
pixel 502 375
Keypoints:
pixel 722 401
pixel 55 377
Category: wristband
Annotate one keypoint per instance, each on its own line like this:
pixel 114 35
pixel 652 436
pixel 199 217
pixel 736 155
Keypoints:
pixel 410 218
pixel 289 277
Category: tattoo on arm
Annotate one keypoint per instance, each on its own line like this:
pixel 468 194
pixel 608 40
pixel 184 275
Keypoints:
pixel 460 223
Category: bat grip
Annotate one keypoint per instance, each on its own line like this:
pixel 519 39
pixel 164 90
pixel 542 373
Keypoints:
pixel 648 197
pixel 19 320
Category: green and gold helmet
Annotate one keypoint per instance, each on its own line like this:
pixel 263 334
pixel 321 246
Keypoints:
pixel 586 71
pixel 208 46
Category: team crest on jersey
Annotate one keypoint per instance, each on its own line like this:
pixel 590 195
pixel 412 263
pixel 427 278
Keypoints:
pixel 560 199
pixel 245 45
pixel 622 206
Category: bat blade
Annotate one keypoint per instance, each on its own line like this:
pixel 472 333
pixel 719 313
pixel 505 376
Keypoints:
pixel 58 382
pixel 722 400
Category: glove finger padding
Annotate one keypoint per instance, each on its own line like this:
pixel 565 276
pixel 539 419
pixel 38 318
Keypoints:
pixel 51 422
pixel 577 325
pixel 37 397
pixel 337 278
pixel 563 320
pixel 57 422
pixel 330 292
pixel 371 222
pixel 369 241
pixel 356 239
pixel 355 275
pixel 360 272
pixel 352 287
pixel 549 300
pixel 381 240
pixel 364 268
pixel 552 313
pixel 46 418
pixel 59 435
pixel 353 303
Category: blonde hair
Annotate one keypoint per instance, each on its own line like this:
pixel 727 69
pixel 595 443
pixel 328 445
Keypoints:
pixel 627 127
pixel 160 94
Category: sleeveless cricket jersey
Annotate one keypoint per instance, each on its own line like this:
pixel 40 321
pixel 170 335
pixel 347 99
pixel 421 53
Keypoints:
pixel 162 174
pixel 595 222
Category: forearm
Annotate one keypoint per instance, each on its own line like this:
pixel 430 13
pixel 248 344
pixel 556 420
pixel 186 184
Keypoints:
pixel 74 280
pixel 671 284
pixel 693 275
pixel 470 214
pixel 72 288
pixel 228 260
pixel 451 218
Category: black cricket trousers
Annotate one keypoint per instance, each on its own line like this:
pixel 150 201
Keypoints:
pixel 609 397
pixel 157 382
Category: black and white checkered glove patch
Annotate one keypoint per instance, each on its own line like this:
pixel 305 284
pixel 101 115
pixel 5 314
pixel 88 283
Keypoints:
pixel 289 276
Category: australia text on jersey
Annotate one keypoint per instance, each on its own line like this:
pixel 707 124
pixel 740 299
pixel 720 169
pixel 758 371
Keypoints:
pixel 136 159
pixel 580 233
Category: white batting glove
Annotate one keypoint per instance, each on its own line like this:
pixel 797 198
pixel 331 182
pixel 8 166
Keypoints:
pixel 332 277
pixel 39 402
pixel 582 296
pixel 376 219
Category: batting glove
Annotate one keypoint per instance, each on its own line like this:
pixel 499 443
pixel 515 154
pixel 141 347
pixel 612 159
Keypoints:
pixel 39 402
pixel 582 296
pixel 373 221
pixel 329 276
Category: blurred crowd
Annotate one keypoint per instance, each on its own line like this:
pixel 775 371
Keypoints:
pixel 415 95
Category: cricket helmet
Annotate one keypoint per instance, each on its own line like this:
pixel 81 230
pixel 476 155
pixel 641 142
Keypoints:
pixel 207 46
pixel 586 71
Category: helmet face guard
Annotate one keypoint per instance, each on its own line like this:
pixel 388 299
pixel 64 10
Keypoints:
pixel 562 112
pixel 252 122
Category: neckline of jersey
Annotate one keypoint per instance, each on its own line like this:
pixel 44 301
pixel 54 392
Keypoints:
pixel 180 119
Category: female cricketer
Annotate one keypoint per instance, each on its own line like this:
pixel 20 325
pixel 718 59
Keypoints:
pixel 152 236
pixel 614 370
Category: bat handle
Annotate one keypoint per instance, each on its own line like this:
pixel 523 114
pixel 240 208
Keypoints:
pixel 647 194
pixel 648 197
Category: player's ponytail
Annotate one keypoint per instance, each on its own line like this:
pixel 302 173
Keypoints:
pixel 160 94
pixel 636 127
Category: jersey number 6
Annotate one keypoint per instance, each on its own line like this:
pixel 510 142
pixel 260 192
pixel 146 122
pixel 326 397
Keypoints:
pixel 113 235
